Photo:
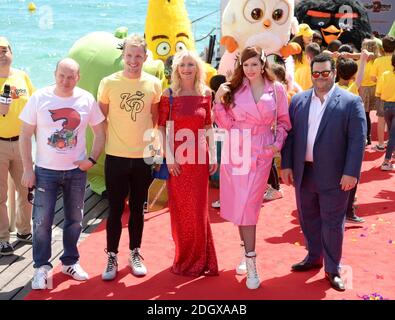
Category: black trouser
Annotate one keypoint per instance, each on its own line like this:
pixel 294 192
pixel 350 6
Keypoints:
pixel 350 206
pixel 369 126
pixel 273 177
pixel 125 176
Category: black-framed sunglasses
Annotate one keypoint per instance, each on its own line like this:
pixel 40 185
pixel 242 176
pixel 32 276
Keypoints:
pixel 30 197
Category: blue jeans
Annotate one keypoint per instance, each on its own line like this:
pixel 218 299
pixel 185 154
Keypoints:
pixel 48 183
pixel 389 116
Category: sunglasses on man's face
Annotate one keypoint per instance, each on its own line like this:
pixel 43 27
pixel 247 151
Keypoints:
pixel 324 74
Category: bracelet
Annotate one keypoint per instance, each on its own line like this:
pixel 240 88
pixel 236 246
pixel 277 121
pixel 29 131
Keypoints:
pixel 92 160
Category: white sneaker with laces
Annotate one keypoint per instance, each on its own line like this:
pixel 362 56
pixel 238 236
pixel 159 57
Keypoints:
pixel 216 204
pixel 138 268
pixel 387 166
pixel 242 267
pixel 75 271
pixel 112 267
pixel 40 277
pixel 253 281
pixel 273 194
pixel 379 147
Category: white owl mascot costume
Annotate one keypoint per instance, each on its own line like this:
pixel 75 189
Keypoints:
pixel 264 23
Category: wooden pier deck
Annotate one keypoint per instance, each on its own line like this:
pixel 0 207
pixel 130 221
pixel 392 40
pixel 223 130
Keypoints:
pixel 16 271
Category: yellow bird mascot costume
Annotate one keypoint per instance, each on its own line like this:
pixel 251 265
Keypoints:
pixel 168 30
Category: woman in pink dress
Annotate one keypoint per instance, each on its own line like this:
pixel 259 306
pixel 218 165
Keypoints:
pixel 247 107
pixel 189 173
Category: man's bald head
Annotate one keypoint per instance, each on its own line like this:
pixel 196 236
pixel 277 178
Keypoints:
pixel 69 64
pixel 67 74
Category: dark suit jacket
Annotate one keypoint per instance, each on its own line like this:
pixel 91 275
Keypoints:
pixel 340 141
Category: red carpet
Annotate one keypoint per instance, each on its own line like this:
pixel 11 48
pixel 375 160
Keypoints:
pixel 368 255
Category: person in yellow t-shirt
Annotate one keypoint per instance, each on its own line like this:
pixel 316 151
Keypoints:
pixel 381 65
pixel 346 71
pixel 368 86
pixel 304 37
pixel 385 90
pixel 129 99
pixel 20 88
pixel 303 73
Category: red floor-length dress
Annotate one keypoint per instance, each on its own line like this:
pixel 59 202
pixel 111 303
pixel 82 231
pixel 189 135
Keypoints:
pixel 188 193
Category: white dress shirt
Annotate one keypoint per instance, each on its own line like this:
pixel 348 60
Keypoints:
pixel 316 112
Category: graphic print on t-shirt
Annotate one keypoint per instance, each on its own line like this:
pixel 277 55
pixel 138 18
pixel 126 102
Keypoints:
pixel 132 103
pixel 67 136
pixel 16 93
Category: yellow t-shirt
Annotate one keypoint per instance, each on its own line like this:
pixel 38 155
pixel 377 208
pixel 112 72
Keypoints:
pixel 352 87
pixel 304 62
pixel 385 87
pixel 21 90
pixel 367 81
pixel 303 77
pixel 381 65
pixel 129 114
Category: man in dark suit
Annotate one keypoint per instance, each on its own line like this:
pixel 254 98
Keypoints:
pixel 322 157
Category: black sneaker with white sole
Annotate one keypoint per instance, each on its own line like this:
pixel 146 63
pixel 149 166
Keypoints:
pixel 6 248
pixel 355 219
pixel 28 238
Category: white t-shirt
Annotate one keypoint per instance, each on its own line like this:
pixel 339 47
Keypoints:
pixel 61 126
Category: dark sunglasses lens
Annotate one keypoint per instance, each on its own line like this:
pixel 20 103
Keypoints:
pixel 325 74
pixel 30 195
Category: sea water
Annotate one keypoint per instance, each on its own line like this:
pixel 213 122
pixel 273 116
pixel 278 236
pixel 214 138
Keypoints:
pixel 41 38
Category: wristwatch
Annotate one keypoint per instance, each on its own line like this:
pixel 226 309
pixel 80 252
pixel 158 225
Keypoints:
pixel 92 160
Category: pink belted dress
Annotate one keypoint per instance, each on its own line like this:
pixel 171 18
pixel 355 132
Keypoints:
pixel 246 157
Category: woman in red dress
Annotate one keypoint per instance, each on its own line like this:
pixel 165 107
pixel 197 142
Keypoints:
pixel 187 156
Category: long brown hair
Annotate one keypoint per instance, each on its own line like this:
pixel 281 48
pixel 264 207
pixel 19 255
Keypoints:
pixel 299 40
pixel 238 75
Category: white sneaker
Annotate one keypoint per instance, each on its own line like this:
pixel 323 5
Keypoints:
pixel 75 271
pixel 379 147
pixel 216 204
pixel 242 267
pixel 387 166
pixel 253 281
pixel 112 267
pixel 273 194
pixel 138 268
pixel 40 278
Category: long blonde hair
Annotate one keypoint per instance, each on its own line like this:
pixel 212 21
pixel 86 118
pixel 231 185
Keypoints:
pixel 200 84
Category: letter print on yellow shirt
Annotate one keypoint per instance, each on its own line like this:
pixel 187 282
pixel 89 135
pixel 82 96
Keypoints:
pixel 132 103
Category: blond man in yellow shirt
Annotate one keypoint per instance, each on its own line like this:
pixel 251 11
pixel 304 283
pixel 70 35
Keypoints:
pixel 20 89
pixel 385 90
pixel 129 99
